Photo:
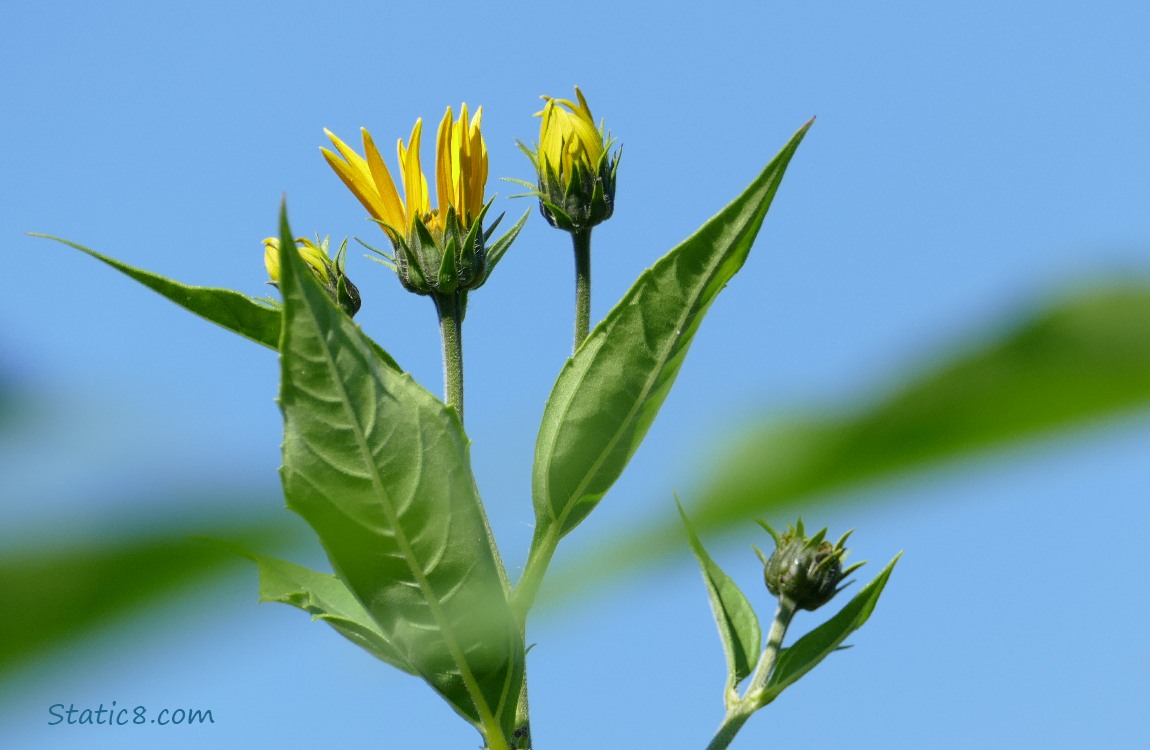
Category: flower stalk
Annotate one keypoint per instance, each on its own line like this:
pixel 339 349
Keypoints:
pixel 741 710
pixel 450 310
pixel 581 239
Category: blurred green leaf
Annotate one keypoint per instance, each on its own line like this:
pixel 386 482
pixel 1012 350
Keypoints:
pixel 51 597
pixel 379 468
pixel 9 402
pixel 808 651
pixel 738 624
pixel 1083 357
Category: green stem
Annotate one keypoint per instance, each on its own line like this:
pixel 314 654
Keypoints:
pixel 582 240
pixel 741 710
pixel 732 723
pixel 450 308
pixel 783 616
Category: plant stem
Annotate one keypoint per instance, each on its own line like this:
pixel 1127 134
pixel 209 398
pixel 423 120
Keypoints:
pixel 783 616
pixel 741 710
pixel 582 241
pixel 450 308
pixel 732 723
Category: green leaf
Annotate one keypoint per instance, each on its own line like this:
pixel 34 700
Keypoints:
pixel 738 625
pixel 251 318
pixel 327 598
pixel 236 312
pixel 808 651
pixel 1073 361
pixel 380 470
pixel 54 596
pixel 609 392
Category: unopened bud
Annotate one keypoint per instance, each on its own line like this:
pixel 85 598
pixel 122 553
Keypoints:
pixel 806 571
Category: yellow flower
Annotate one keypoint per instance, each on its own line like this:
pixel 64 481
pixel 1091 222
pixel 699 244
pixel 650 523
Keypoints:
pixel 441 249
pixel 460 171
pixel 568 138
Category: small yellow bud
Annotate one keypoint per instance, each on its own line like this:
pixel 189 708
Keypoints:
pixel 315 258
pixel 575 174
pixel 330 274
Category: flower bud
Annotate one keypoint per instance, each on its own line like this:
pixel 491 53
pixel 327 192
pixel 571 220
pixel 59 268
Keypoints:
pixel 330 274
pixel 576 175
pixel 805 571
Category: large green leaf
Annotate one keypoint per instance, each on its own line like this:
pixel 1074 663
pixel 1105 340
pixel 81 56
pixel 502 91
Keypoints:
pixel 380 470
pixel 1078 359
pixel 738 624
pixel 808 651
pixel 327 598
pixel 610 390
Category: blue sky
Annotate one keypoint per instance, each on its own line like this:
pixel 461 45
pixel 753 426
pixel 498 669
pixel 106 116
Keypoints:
pixel 965 162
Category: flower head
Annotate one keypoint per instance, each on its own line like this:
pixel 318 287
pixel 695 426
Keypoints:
pixel 575 173
pixel 437 249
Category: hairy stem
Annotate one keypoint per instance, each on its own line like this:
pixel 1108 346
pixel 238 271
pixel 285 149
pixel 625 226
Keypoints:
pixel 450 308
pixel 582 241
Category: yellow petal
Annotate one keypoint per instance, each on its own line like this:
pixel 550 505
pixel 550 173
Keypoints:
pixel 360 187
pixel 358 176
pixel 390 204
pixel 414 183
pixel 444 166
pixel 272 258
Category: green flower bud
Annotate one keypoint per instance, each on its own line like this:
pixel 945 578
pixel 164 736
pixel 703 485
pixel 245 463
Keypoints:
pixel 805 571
